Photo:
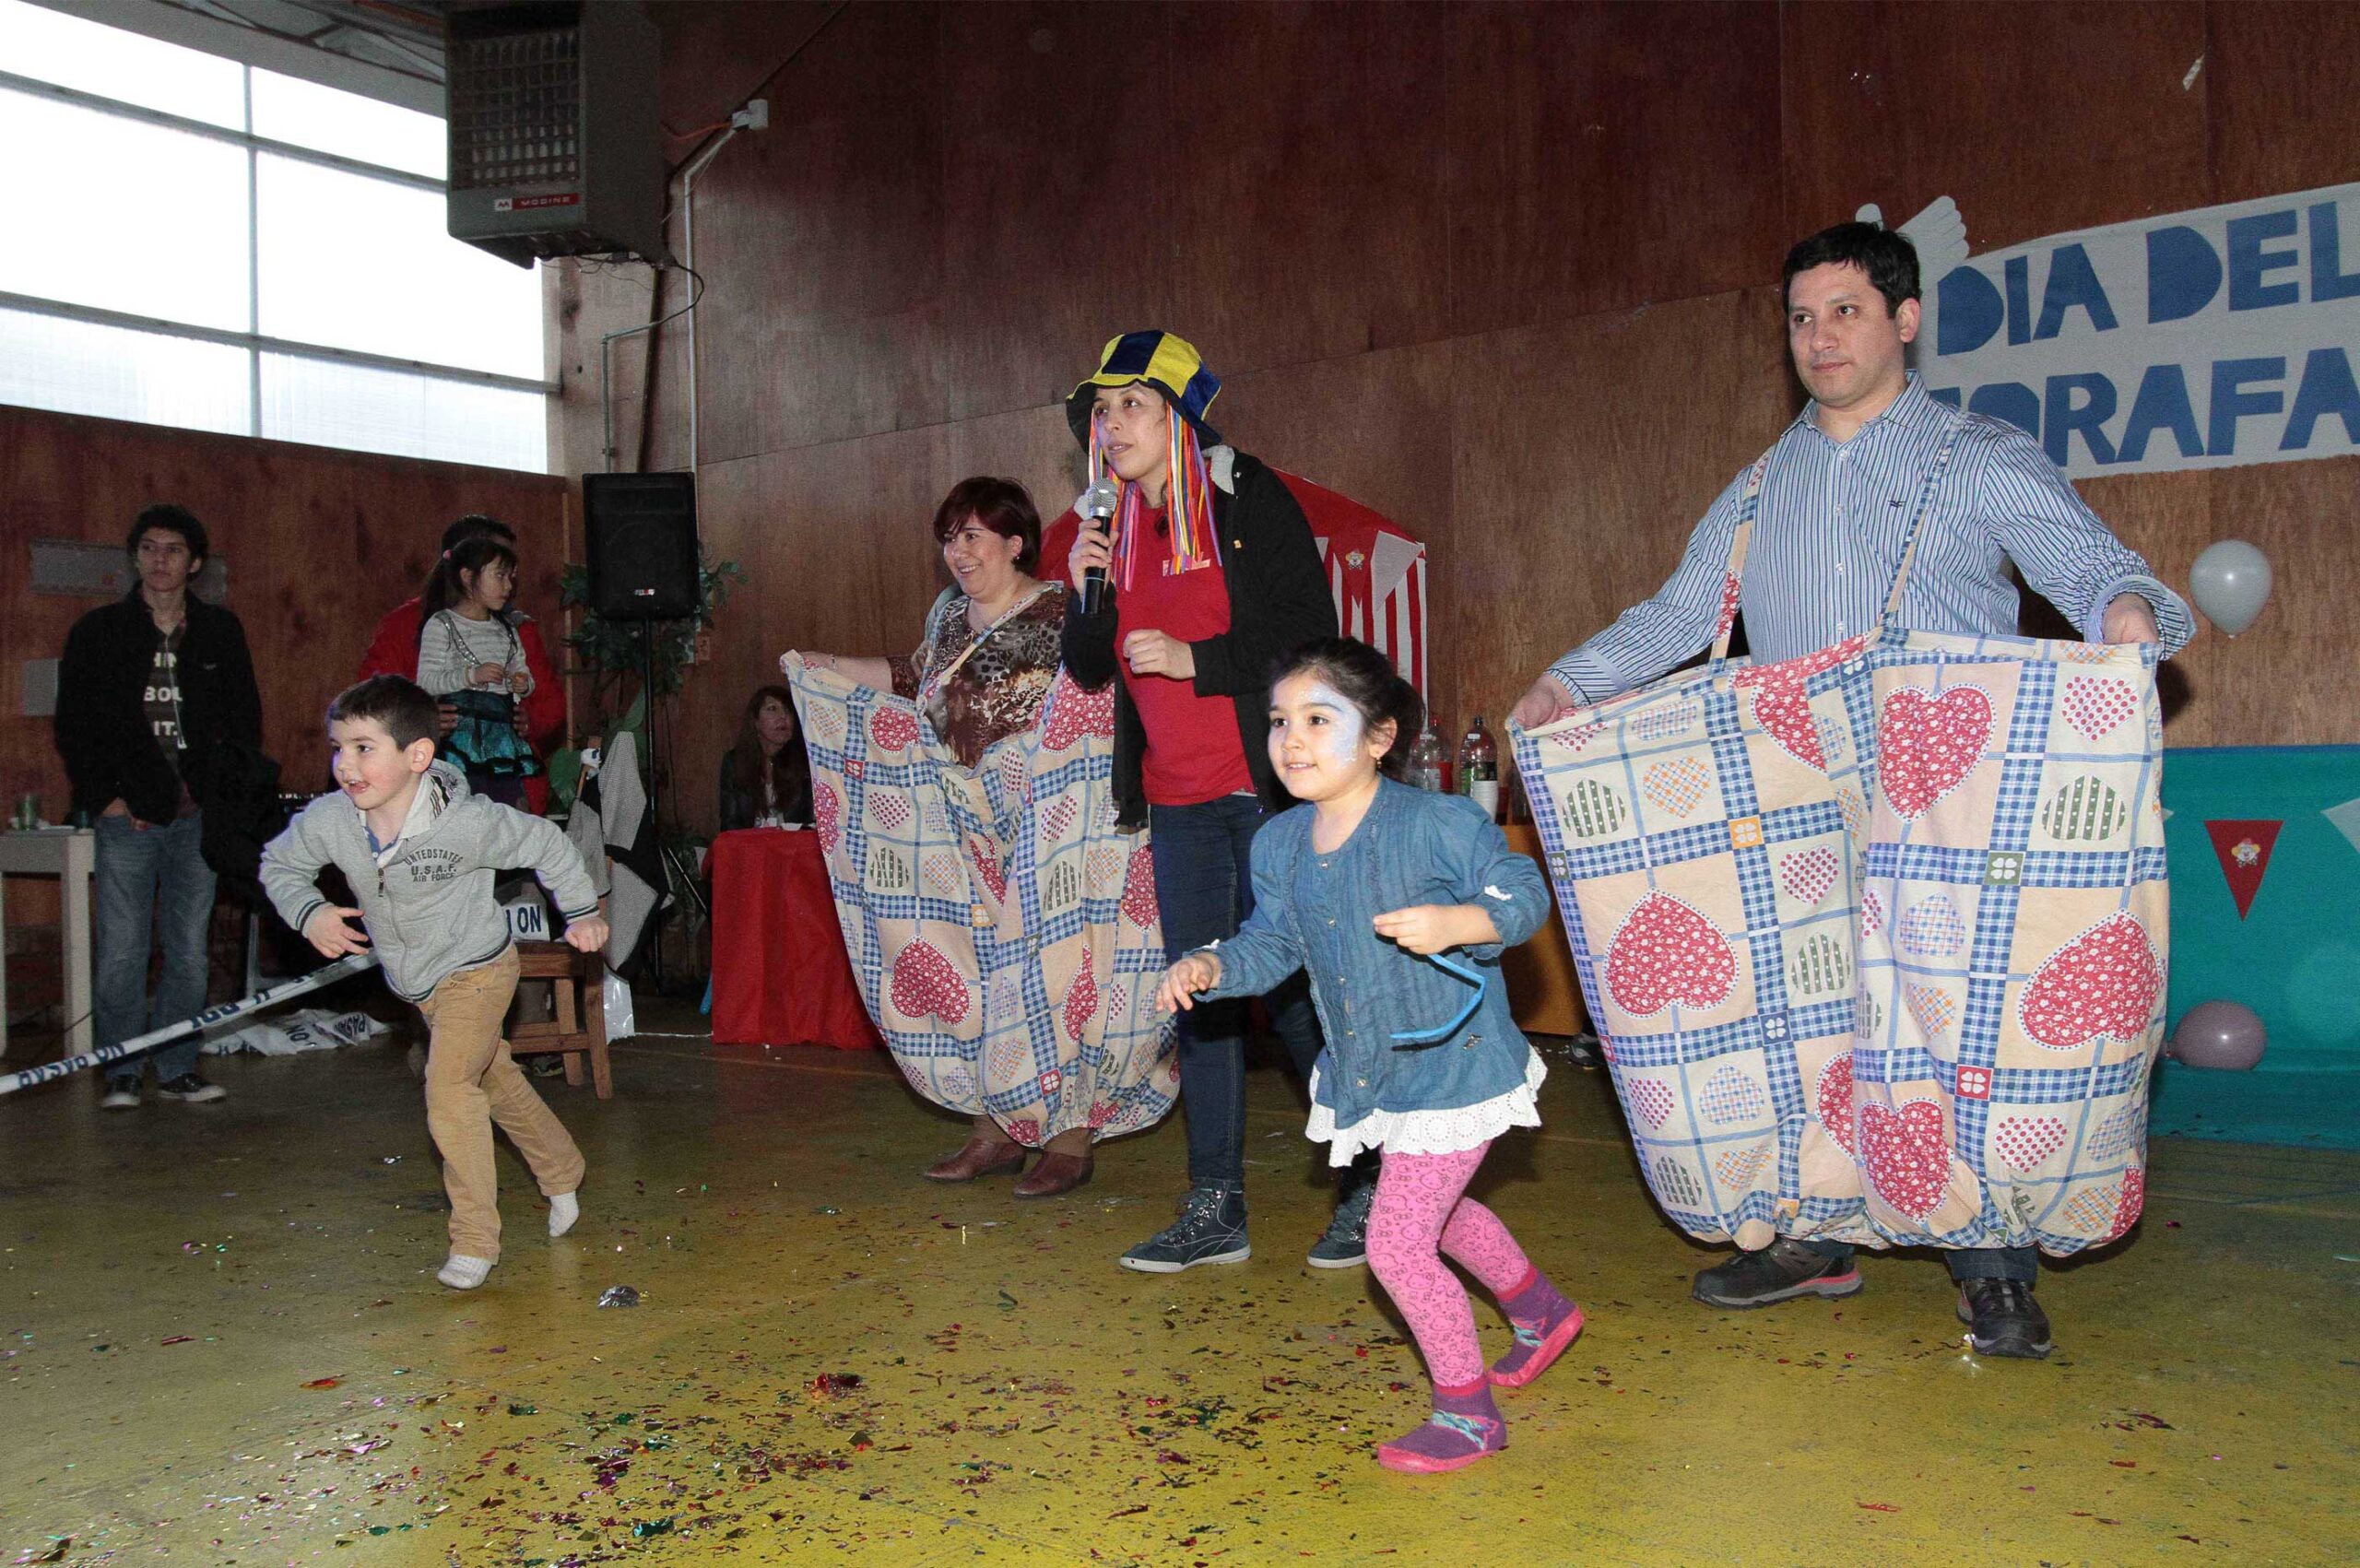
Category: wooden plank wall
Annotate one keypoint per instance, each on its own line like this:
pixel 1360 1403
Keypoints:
pixel 1505 272
pixel 319 543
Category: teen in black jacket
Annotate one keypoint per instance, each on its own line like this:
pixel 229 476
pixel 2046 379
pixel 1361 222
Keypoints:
pixel 102 730
pixel 156 707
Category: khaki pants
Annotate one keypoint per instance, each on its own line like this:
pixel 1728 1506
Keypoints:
pixel 471 1082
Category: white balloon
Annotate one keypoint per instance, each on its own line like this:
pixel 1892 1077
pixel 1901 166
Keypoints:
pixel 2229 582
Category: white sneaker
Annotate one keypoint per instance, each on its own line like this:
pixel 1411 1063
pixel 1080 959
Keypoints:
pixel 192 1088
pixel 120 1097
pixel 564 1209
pixel 463 1273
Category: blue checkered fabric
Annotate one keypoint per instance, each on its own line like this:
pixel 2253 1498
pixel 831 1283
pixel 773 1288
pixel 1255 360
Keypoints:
pixel 1003 933
pixel 1874 938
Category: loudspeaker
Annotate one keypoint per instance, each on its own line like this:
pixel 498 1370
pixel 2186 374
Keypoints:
pixel 640 530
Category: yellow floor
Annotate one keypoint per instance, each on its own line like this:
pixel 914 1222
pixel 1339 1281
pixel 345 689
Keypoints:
pixel 182 1284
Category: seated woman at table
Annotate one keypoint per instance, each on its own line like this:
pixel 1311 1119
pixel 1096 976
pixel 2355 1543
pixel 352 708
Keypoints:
pixel 1004 939
pixel 765 778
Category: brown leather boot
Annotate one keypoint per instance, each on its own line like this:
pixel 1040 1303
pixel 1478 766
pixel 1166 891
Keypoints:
pixel 1055 1174
pixel 978 1157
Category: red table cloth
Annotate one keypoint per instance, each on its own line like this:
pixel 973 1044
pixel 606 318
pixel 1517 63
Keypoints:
pixel 780 976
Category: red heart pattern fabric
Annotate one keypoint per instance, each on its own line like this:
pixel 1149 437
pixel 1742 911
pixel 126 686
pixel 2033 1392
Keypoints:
pixel 1928 745
pixel 1074 713
pixel 1138 893
pixel 827 815
pixel 1577 738
pixel 983 857
pixel 2128 1205
pixel 926 983
pixel 1081 1003
pixel 2104 983
pixel 2096 707
pixel 1652 1099
pixel 1986 929
pixel 1907 1153
pixel 891 729
pixel 956 980
pixel 1668 952
pixel 1782 706
pixel 2026 1142
pixel 1808 875
pixel 1832 1101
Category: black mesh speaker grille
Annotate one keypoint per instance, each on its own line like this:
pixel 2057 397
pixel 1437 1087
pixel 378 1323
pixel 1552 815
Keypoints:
pixel 640 530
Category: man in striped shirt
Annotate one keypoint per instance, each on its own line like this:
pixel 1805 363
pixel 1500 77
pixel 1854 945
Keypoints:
pixel 1835 513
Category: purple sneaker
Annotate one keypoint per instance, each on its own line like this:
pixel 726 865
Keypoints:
pixel 1465 1426
pixel 1545 1323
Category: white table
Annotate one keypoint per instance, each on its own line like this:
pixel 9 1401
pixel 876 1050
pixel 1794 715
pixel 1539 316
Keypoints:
pixel 69 855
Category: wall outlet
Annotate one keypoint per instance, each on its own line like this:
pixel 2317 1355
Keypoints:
pixel 755 116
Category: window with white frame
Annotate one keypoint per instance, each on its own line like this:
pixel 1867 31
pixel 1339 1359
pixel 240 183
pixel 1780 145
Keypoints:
pixel 200 242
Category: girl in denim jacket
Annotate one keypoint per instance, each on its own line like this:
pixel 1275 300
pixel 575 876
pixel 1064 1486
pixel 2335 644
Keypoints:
pixel 1398 903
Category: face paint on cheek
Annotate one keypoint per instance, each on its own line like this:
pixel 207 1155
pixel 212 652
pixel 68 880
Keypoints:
pixel 1339 743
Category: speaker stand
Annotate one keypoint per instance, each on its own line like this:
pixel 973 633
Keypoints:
pixel 655 808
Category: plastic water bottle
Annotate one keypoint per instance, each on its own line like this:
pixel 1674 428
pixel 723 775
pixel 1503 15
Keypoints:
pixel 1428 762
pixel 1479 767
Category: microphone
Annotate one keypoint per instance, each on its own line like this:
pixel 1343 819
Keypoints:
pixel 1096 506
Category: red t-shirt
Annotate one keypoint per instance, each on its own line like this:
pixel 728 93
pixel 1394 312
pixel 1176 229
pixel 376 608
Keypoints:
pixel 1193 751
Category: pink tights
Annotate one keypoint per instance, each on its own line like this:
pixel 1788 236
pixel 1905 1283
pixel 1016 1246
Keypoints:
pixel 1421 1212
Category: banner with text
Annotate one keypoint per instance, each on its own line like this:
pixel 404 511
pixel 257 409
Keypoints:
pixel 2201 340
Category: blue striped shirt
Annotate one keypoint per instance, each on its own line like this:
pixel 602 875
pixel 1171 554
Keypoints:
pixel 1833 519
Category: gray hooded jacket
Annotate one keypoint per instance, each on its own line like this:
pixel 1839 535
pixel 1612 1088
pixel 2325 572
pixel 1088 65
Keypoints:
pixel 427 896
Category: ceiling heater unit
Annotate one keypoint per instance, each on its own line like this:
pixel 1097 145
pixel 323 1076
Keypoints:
pixel 555 145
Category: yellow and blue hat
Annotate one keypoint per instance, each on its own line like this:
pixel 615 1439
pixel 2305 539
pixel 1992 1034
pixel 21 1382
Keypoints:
pixel 1166 362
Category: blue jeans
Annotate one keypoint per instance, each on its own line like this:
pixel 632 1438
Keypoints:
pixel 151 876
pixel 2019 1264
pixel 1204 889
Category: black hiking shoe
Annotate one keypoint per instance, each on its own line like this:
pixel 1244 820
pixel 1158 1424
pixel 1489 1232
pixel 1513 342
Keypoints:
pixel 1779 1272
pixel 2002 1319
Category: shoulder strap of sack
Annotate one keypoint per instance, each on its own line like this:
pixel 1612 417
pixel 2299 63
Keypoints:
pixel 1918 521
pixel 1749 503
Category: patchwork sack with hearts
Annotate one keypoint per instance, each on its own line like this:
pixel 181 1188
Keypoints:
pixel 1003 933
pixel 1875 937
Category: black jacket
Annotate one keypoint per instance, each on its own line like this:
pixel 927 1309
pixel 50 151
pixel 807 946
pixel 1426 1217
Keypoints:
pixel 101 726
pixel 1278 599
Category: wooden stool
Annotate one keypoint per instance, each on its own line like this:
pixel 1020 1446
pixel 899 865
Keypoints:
pixel 580 1025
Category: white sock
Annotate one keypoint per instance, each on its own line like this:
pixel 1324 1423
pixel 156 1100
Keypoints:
pixel 463 1273
pixel 564 1209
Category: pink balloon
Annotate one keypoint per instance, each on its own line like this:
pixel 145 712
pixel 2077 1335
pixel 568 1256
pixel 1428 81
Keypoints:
pixel 2223 1035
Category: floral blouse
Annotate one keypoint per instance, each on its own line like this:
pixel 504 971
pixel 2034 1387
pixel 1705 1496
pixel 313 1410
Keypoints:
pixel 997 692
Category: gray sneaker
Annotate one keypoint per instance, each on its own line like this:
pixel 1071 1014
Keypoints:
pixel 1211 1229
pixel 192 1088
pixel 1346 1244
pixel 122 1094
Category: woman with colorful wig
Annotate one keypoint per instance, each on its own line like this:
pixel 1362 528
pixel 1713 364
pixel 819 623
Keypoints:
pixel 1211 575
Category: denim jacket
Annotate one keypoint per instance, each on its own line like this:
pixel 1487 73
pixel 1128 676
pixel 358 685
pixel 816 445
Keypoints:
pixel 1314 912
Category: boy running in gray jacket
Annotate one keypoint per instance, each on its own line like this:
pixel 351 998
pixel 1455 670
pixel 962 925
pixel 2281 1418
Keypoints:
pixel 421 854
